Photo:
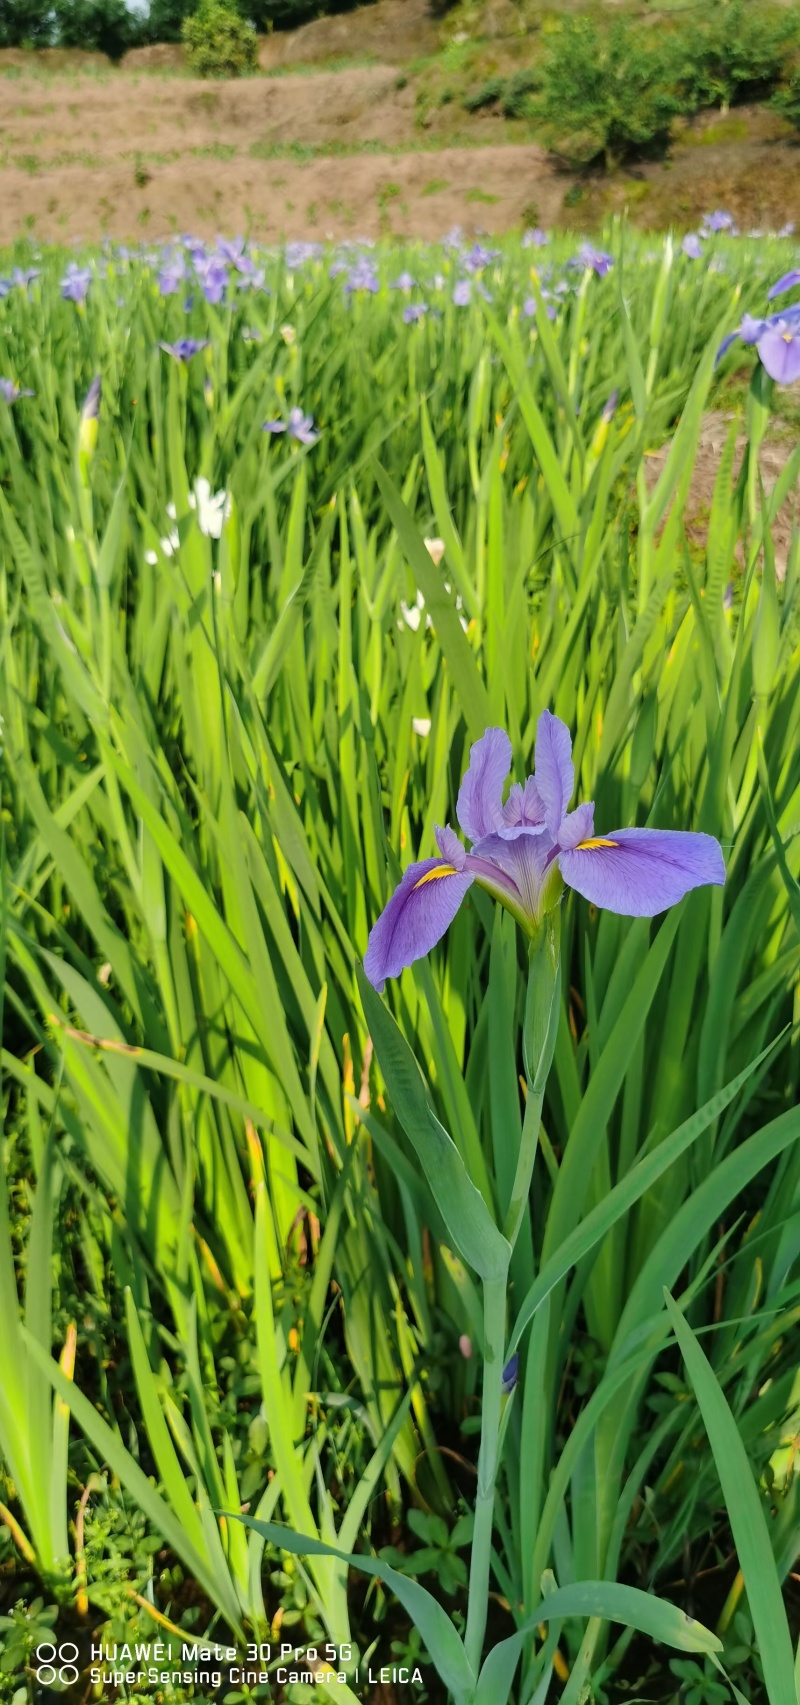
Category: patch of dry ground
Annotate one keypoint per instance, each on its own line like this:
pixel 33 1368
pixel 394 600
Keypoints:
pixel 144 150
pixel 774 455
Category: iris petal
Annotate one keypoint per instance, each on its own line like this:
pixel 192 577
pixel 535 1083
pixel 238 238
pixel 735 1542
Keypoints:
pixel 480 800
pixel 644 871
pixel 419 912
pixel 555 773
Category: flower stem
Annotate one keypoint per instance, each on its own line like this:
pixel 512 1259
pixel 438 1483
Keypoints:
pixel 494 1333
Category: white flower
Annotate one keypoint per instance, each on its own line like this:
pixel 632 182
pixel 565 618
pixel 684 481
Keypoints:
pixel 412 613
pixel 421 725
pixel 212 512
pixel 435 550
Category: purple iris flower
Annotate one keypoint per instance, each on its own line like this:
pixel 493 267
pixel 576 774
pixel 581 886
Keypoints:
pixel 75 283
pixel 11 392
pixel 595 259
pixel 414 312
pixel 404 282
pixel 5 288
pixel 185 347
pixel 718 221
pixel 787 282
pixel 298 253
pixel 230 249
pixel 212 276
pixel 777 339
pixel 692 246
pixel 362 277
pixel 299 426
pixel 529 306
pixel 21 277
pixel 535 239
pixel 462 293
pixel 525 849
pixel 479 257
pixel 171 276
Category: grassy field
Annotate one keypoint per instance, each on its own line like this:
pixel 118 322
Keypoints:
pixel 270 1243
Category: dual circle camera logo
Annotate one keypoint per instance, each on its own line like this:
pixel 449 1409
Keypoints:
pixel 56 1663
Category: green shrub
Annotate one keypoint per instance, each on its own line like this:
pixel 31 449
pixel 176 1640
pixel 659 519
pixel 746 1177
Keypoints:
pixel 739 54
pixel 604 94
pixel 487 95
pixel 219 42
pixel 166 19
pixel 102 26
pixel 514 100
pixel 25 23
pixel 786 100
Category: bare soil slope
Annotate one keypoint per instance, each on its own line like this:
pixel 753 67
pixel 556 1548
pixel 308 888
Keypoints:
pixel 144 150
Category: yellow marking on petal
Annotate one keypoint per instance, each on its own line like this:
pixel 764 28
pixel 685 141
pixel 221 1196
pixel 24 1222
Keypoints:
pixel 431 875
pixel 587 846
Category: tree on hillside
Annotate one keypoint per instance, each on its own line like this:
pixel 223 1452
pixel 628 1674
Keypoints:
pixel 26 23
pixel 101 26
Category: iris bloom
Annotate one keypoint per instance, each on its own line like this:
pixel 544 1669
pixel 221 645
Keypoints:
pixel 777 339
pixel 11 393
pixel 415 312
pixel 524 850
pixel 692 246
pixel 75 283
pixel 596 260
pixel 185 348
pixel 299 426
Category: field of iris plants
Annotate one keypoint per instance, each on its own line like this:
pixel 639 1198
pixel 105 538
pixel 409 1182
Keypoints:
pixel 433 1306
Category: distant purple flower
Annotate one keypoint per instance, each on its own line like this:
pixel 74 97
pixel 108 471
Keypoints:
pixel 463 293
pixel 529 306
pixel 479 257
pixel 787 229
pixel 787 282
pixel 716 222
pixel 535 239
pixel 454 238
pixel 172 275
pixel 5 287
pixel 595 259
pixel 185 347
pixel 11 392
pixel 297 254
pixel 414 312
pixel 299 426
pixel 404 282
pixel 230 249
pixel 692 246
pixel 362 277
pixel 21 277
pixel 212 276
pixel 523 850
pixel 75 283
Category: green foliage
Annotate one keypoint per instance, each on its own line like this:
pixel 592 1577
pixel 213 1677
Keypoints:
pixel 103 26
pixel 218 752
pixel 786 99
pixel 165 19
pixel 509 93
pixel 219 42
pixel 604 93
pixel 26 23
pixel 738 53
